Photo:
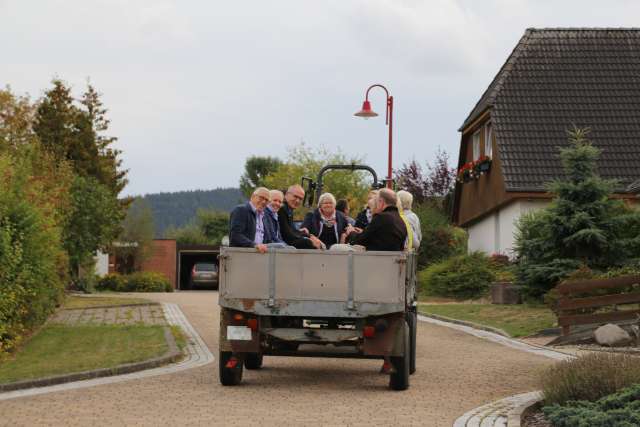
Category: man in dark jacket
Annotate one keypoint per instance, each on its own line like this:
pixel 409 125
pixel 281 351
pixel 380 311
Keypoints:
pixel 247 225
pixel 271 215
pixel 386 231
pixel 296 238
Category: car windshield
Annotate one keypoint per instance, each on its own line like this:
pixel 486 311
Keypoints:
pixel 206 267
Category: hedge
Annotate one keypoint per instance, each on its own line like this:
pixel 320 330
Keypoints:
pixel 144 281
pixel 32 261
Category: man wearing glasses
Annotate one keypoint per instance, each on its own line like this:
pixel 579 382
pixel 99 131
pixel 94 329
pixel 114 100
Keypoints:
pixel 299 239
pixel 247 228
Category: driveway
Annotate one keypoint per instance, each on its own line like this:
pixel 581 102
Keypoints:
pixel 456 372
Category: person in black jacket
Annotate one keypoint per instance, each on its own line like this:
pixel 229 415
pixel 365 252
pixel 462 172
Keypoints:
pixel 300 239
pixel 326 222
pixel 386 231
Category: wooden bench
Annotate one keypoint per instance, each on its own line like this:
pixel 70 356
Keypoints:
pixel 569 302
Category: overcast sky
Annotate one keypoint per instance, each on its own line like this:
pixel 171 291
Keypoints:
pixel 195 87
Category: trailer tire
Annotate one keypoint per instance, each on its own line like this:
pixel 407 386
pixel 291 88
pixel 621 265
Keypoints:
pixel 399 380
pixel 253 360
pixel 229 376
pixel 412 319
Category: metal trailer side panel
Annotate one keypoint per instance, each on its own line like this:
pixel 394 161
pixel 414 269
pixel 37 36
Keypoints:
pixel 312 283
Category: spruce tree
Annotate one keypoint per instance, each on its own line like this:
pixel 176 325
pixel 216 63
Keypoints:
pixel 583 225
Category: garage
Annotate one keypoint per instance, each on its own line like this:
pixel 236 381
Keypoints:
pixel 190 255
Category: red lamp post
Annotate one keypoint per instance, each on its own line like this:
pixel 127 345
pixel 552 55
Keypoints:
pixel 367 112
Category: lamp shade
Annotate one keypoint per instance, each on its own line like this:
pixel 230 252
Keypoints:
pixel 366 111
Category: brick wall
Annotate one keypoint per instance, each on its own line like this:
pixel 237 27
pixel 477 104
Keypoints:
pixel 163 259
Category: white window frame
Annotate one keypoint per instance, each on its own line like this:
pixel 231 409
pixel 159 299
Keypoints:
pixel 476 145
pixel 488 140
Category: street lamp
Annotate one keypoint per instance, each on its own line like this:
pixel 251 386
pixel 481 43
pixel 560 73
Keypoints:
pixel 367 112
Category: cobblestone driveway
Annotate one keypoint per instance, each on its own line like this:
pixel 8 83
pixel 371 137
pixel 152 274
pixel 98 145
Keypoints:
pixel 127 315
pixel 456 372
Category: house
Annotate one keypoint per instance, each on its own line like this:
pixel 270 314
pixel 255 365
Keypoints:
pixel 553 80
pixel 168 257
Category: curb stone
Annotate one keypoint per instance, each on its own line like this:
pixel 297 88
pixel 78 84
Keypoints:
pixel 196 354
pixel 466 323
pixel 172 355
pixel 144 304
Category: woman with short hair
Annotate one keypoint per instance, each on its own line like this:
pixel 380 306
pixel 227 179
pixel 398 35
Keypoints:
pixel 405 199
pixel 325 222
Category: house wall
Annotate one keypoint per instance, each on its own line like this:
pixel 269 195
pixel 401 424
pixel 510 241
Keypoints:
pixel 102 263
pixel 481 195
pixel 163 259
pixel 495 233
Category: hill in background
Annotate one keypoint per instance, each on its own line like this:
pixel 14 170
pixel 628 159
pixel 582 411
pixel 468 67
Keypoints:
pixel 180 208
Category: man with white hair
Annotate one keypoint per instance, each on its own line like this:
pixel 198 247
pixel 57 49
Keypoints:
pixel 247 225
pixel 406 200
pixel 387 231
pixel 271 215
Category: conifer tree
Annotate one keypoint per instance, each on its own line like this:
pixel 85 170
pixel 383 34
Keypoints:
pixel 583 225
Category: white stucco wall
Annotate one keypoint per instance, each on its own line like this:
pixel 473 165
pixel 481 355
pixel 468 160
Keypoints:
pixel 102 263
pixel 495 232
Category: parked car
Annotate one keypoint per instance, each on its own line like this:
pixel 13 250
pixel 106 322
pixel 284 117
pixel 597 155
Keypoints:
pixel 204 274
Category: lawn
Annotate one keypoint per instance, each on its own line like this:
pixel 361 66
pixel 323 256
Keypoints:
pixel 74 301
pixel 61 349
pixel 516 320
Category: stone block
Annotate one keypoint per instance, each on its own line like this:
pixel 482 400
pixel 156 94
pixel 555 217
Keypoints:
pixel 612 335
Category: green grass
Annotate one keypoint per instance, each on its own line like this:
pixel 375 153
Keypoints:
pixel 516 320
pixel 73 301
pixel 178 335
pixel 61 349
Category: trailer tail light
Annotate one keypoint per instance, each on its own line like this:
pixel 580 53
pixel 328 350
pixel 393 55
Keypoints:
pixel 238 317
pixel 369 331
pixel 232 363
pixel 252 324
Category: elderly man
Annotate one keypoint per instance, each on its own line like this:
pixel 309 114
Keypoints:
pixel 271 215
pixel 386 231
pixel 247 224
pixel 299 239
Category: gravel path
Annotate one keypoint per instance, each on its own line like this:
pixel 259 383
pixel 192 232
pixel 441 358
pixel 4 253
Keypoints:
pixel 456 372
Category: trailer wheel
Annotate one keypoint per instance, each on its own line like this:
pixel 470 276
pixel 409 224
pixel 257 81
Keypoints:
pixel 229 376
pixel 412 319
pixel 253 360
pixel 399 380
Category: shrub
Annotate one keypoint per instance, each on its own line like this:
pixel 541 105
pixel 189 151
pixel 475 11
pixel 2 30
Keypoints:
pixel 147 281
pixel 589 377
pixel 143 281
pixel 621 409
pixel 462 276
pixel 440 239
pixel 112 282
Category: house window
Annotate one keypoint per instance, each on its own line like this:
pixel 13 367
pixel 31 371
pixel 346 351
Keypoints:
pixel 488 140
pixel 476 145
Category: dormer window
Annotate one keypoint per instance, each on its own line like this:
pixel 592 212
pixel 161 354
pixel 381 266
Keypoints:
pixel 488 140
pixel 476 146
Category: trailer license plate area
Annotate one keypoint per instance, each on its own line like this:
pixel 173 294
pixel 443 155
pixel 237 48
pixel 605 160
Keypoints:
pixel 242 333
